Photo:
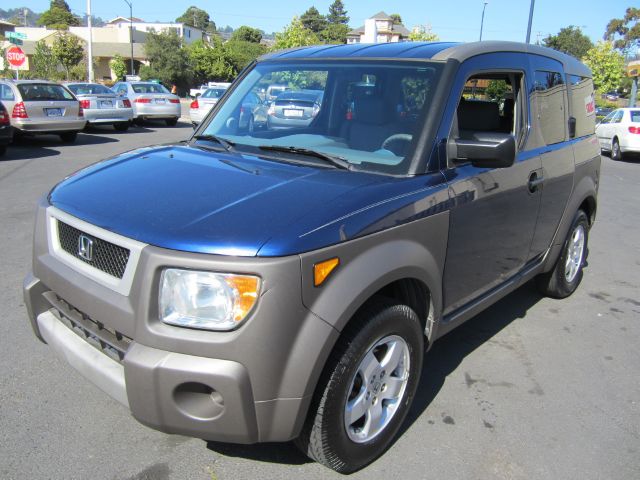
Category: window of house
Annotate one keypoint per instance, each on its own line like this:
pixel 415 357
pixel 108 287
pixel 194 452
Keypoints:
pixel 548 98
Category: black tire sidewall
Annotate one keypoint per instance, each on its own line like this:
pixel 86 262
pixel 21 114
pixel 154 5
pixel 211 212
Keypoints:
pixel 566 287
pixel 392 320
pixel 616 154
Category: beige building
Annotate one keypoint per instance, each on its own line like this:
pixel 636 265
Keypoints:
pixel 378 29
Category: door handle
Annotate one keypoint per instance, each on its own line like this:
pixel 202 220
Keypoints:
pixel 535 181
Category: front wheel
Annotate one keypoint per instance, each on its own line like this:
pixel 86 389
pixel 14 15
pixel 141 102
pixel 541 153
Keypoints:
pixel 366 388
pixel 566 275
pixel 69 137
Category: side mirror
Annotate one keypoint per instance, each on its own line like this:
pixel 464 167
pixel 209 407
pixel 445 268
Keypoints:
pixel 494 151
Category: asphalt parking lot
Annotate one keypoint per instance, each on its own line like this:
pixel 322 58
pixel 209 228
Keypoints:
pixel 532 388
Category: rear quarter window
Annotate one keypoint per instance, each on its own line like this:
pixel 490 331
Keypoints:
pixel 549 100
pixel 42 92
pixel 635 116
pixel 583 106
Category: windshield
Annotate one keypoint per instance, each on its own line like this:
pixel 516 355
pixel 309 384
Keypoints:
pixel 148 88
pixel 213 93
pixel 89 89
pixel 43 92
pixel 366 113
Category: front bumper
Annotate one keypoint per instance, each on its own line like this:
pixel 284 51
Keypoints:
pixel 253 384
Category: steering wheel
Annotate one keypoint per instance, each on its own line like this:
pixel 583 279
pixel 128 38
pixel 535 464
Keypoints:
pixel 401 139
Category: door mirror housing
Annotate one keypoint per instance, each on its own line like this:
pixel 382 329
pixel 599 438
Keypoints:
pixel 492 150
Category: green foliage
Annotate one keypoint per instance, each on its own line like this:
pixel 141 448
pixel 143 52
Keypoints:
pixel 607 66
pixel 496 89
pixel 196 17
pixel 68 51
pixel 247 34
pixel 569 40
pixel 59 16
pixel 44 62
pixel 312 20
pixel 335 33
pixel 624 32
pixel 219 61
pixel 337 13
pixel 423 33
pixel 396 18
pixel 240 53
pixel 118 65
pixel 16 16
pixel 295 35
pixel 168 59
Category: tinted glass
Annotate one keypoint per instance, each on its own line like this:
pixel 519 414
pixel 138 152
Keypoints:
pixel 366 113
pixel 6 93
pixel 89 89
pixel 635 116
pixel 213 93
pixel 148 88
pixel 43 92
pixel 583 105
pixel 548 96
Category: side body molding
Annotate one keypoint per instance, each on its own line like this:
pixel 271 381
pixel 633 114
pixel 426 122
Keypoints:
pixel 411 251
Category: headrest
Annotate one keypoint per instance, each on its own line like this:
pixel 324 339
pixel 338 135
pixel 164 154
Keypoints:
pixel 478 116
pixel 371 110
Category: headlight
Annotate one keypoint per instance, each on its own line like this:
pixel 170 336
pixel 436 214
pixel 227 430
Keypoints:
pixel 206 300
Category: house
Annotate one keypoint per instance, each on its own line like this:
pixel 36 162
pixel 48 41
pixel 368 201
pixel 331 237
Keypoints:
pixel 378 29
pixel 188 33
pixel 6 27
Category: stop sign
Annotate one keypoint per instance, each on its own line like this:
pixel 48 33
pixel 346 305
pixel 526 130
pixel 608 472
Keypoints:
pixel 15 56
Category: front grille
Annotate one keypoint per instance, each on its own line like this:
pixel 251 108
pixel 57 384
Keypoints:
pixel 109 341
pixel 111 259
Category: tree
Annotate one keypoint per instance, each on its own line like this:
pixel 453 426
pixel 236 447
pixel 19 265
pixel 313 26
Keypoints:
pixel 496 89
pixel 59 16
pixel 44 62
pixel 168 59
pixel 624 32
pixel 569 40
pixel 247 34
pixel 68 51
pixel 337 13
pixel 240 53
pixel 423 33
pixel 198 18
pixel 312 20
pixel 396 18
pixel 295 35
pixel 118 66
pixel 607 66
pixel 209 61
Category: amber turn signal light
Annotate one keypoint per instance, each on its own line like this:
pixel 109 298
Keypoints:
pixel 322 270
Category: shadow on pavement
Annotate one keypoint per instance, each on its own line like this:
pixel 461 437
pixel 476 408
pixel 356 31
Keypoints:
pixel 285 453
pixel 27 152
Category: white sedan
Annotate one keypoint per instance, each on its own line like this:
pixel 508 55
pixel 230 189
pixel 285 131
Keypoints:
pixel 619 132
pixel 205 102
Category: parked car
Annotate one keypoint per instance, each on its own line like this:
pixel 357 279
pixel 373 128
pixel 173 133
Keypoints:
pixel 101 105
pixel 5 129
pixel 262 286
pixel 619 132
pixel 40 106
pixel 150 101
pixel 294 108
pixel 613 96
pixel 204 103
pixel 196 92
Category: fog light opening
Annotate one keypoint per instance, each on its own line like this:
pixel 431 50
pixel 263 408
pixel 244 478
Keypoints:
pixel 198 401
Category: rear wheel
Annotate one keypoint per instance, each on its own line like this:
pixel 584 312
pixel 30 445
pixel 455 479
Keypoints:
pixel 616 153
pixel 69 137
pixel 121 126
pixel 171 122
pixel 566 275
pixel 366 387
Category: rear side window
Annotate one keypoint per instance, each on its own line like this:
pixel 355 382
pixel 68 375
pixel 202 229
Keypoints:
pixel 549 100
pixel 635 116
pixel 583 105
pixel 6 93
pixel 41 92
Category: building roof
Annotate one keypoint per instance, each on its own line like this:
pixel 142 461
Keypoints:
pixel 5 22
pixel 101 49
pixel 381 16
pixel 124 19
pixel 396 28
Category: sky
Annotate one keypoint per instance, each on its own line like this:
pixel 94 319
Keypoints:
pixel 452 20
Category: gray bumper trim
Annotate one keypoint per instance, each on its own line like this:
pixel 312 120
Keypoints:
pixel 104 372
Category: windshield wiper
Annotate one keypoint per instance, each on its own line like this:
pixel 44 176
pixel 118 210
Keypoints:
pixel 338 162
pixel 226 144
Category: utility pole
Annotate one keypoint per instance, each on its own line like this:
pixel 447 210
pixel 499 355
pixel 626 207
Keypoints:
pixel 533 2
pixel 24 13
pixel 90 52
pixel 482 21
pixel 131 32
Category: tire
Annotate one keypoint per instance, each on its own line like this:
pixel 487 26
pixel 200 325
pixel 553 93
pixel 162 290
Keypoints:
pixel 69 137
pixel 378 329
pixel 171 122
pixel 121 126
pixel 3 150
pixel 566 275
pixel 616 154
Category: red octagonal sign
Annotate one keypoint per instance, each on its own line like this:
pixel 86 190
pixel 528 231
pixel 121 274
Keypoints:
pixel 15 56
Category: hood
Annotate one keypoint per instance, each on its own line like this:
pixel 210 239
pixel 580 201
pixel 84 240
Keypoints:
pixel 185 198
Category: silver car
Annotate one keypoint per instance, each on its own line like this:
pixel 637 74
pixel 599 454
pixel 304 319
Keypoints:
pixel 204 103
pixel 150 101
pixel 40 106
pixel 102 105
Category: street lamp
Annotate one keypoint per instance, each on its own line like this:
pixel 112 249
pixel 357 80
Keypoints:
pixel 90 52
pixel 533 2
pixel 131 31
pixel 482 21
